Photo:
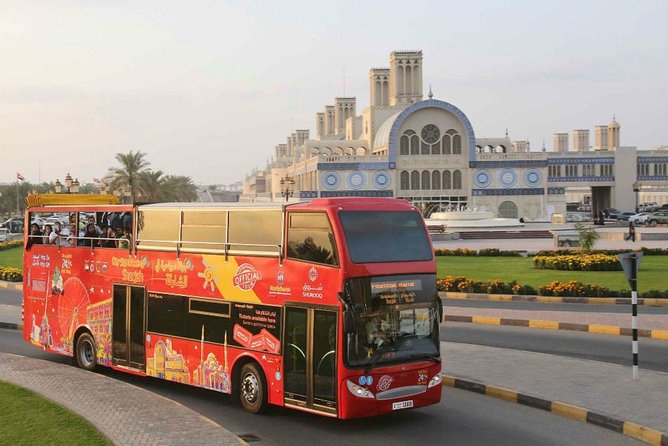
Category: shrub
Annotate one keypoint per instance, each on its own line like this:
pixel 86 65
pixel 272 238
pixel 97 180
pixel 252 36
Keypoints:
pixel 573 288
pixel 10 245
pixel 485 252
pixel 578 262
pixel 11 274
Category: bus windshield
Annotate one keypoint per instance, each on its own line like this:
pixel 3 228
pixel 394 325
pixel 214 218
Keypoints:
pixel 386 236
pixel 395 334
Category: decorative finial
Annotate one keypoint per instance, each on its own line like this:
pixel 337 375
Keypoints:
pixel 506 132
pixel 430 95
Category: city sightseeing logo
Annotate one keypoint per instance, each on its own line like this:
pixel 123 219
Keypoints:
pixel 246 277
pixel 384 383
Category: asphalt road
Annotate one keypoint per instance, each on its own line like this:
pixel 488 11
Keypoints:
pixel 463 418
pixel 534 306
pixel 653 354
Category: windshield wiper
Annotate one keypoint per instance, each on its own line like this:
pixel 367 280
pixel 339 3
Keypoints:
pixel 435 358
pixel 376 357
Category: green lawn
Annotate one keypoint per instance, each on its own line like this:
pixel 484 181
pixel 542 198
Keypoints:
pixel 653 273
pixel 12 257
pixel 28 419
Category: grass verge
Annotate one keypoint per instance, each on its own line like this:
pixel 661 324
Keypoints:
pixel 12 257
pixel 28 419
pixel 652 275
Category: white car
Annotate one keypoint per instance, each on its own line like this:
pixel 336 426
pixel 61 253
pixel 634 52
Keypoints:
pixel 4 232
pixel 640 219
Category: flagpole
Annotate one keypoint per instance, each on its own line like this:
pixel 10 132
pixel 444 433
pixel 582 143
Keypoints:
pixel 18 209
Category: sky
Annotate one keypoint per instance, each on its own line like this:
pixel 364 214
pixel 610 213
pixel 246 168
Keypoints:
pixel 207 89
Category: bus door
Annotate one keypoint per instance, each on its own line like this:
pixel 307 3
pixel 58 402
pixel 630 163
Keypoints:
pixel 128 327
pixel 310 358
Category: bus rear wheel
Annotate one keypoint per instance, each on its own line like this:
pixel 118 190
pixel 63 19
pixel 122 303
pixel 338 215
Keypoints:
pixel 85 352
pixel 252 389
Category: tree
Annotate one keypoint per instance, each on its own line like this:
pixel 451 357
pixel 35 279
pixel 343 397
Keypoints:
pixel 179 188
pixel 151 183
pixel 588 237
pixel 127 176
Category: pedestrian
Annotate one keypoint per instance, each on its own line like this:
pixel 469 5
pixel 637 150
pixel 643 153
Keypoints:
pixel 632 233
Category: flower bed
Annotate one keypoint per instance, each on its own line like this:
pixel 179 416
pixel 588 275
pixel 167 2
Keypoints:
pixel 572 288
pixel 10 245
pixel 486 252
pixel 11 274
pixel 579 262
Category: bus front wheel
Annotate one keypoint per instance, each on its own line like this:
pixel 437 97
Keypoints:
pixel 85 353
pixel 252 388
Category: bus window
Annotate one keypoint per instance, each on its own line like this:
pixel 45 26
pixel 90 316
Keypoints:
pixel 310 238
pixel 201 227
pixel 158 228
pixel 256 231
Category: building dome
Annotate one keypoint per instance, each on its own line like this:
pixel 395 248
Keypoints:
pixel 613 124
pixel 383 134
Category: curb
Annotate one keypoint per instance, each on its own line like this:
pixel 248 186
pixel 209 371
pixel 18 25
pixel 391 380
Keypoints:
pixel 550 299
pixel 11 326
pixel 556 325
pixel 11 285
pixel 628 428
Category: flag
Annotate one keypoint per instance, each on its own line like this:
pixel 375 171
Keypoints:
pixel 20 177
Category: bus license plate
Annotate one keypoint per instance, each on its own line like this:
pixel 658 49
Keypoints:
pixel 402 405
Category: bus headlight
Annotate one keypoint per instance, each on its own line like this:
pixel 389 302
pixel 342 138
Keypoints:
pixel 359 391
pixel 435 381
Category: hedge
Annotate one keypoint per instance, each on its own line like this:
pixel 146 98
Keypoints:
pixel 611 252
pixel 11 274
pixel 580 262
pixel 10 245
pixel 486 252
pixel 563 289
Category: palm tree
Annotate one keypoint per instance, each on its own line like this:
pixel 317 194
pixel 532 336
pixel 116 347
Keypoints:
pixel 127 176
pixel 179 188
pixel 588 237
pixel 151 185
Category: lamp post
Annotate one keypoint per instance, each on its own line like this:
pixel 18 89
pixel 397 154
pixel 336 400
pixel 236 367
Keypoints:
pixel 287 184
pixel 70 186
pixel 636 189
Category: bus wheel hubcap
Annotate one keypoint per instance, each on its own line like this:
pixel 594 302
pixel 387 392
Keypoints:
pixel 87 353
pixel 250 388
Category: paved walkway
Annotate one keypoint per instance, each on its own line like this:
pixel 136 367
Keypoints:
pixel 125 414
pixel 605 388
pixel 645 321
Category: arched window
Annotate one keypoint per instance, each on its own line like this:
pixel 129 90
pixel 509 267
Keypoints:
pixel 424 148
pixel 447 179
pixel 436 148
pixel 426 177
pixel 415 180
pixel 436 180
pixel 446 145
pixel 508 209
pixel 457 179
pixel 405 182
pixel 488 149
pixel 415 145
pixel 478 149
pixel 361 151
pixel 350 151
pixel 500 149
pixel 338 151
pixel 404 145
pixel 326 151
pixel 456 145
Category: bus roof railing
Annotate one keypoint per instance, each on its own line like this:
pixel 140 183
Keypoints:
pixel 225 247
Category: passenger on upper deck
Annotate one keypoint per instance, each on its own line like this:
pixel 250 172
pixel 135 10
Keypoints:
pixel 35 236
pixel 54 236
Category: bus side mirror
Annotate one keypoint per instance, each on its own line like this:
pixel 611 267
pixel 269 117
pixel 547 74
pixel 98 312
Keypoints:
pixel 439 307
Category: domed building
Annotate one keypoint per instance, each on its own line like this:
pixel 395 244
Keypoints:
pixel 425 150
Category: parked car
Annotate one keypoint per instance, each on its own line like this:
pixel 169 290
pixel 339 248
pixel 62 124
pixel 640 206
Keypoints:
pixel 660 217
pixel 625 216
pixel 648 206
pixel 640 219
pixel 3 234
pixel 611 213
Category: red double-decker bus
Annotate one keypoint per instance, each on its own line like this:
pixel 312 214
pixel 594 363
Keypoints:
pixel 328 306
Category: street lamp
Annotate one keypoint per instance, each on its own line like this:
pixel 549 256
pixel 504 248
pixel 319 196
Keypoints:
pixel 70 187
pixel 286 187
pixel 636 189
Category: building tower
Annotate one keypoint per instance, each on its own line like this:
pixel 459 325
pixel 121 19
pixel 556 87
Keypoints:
pixel 329 120
pixel 379 86
pixel 319 125
pixel 560 142
pixel 344 108
pixel 405 77
pixel 613 134
pixel 580 140
pixel 600 137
